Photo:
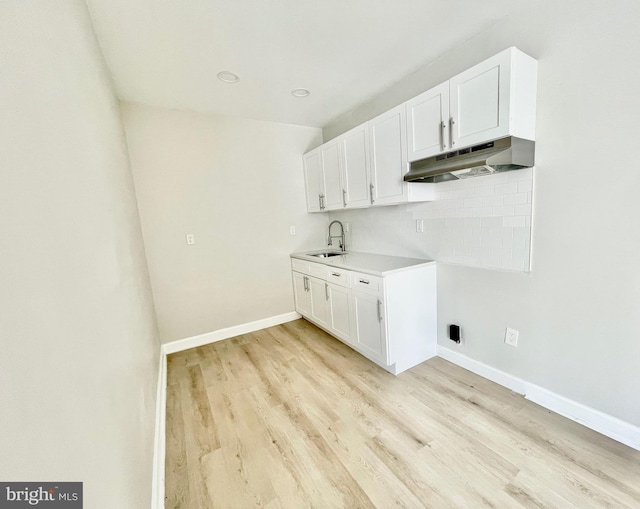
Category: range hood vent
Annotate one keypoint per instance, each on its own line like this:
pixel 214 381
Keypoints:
pixel 504 154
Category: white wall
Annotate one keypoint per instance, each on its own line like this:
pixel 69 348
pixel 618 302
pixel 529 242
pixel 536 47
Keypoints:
pixel 577 311
pixel 237 185
pixel 78 342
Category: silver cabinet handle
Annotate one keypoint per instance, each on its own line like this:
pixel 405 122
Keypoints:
pixel 364 281
pixel 379 310
pixel 371 193
pixel 451 123
pixel 326 291
pixel 305 281
pixel 443 126
pixel 336 274
pixel 322 202
pixel 344 197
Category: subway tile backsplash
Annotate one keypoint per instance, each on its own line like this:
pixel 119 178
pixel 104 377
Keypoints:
pixel 483 222
pixel 480 222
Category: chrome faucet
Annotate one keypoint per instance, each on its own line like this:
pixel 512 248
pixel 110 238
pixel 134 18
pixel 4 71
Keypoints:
pixel 341 236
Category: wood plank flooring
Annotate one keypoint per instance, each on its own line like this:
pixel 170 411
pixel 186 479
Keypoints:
pixel 289 417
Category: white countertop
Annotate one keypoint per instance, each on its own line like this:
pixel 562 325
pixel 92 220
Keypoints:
pixel 369 263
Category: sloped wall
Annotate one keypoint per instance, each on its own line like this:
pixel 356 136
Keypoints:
pixel 78 341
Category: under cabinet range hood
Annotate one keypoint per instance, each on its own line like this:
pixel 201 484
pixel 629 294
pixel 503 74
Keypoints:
pixel 500 155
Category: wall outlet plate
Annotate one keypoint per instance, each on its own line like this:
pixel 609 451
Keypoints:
pixel 420 225
pixel 511 336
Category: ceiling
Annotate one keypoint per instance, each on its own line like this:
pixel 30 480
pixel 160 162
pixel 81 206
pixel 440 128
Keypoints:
pixel 168 52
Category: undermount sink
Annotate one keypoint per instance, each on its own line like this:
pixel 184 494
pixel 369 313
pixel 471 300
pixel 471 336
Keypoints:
pixel 326 254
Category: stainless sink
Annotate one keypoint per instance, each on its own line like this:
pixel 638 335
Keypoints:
pixel 327 254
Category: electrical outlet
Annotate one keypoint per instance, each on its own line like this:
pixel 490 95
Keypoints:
pixel 191 239
pixel 511 337
pixel 347 227
pixel 420 225
pixel 292 230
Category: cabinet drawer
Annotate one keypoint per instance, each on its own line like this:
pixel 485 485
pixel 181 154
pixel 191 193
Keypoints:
pixel 339 276
pixel 300 265
pixel 366 282
pixel 317 270
pixel 309 268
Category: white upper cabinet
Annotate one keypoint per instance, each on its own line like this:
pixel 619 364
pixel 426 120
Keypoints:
pixel 337 173
pixel 332 169
pixel 388 157
pixel 323 177
pixel 355 167
pixel 387 137
pixel 313 180
pixel 493 99
pixel 366 165
pixel 427 123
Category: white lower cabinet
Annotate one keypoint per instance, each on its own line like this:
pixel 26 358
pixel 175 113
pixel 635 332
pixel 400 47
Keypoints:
pixel 340 312
pixel 319 297
pixel 391 320
pixel 368 326
pixel 301 293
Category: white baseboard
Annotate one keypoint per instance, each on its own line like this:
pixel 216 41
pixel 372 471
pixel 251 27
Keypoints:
pixel 229 332
pixel 159 443
pixel 495 375
pixel 596 420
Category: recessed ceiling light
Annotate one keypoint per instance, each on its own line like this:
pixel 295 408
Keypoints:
pixel 300 92
pixel 228 77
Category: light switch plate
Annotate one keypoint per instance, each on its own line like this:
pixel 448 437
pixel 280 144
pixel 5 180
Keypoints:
pixel 511 337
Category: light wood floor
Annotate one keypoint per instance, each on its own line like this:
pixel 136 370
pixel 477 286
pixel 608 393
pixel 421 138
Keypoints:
pixel 289 417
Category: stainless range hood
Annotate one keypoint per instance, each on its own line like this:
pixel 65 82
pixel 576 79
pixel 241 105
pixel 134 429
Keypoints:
pixel 500 155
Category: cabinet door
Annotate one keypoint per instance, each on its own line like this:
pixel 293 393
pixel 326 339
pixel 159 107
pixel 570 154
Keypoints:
pixel 368 326
pixel 314 185
pixel 479 102
pixel 319 297
pixel 331 168
pixel 301 294
pixel 355 166
pixel 388 157
pixel 428 122
pixel 339 312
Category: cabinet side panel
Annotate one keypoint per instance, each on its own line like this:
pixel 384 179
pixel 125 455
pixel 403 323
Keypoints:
pixel 411 306
pixel 524 93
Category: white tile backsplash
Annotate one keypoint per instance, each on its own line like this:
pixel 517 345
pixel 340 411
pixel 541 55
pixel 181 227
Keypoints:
pixel 481 222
